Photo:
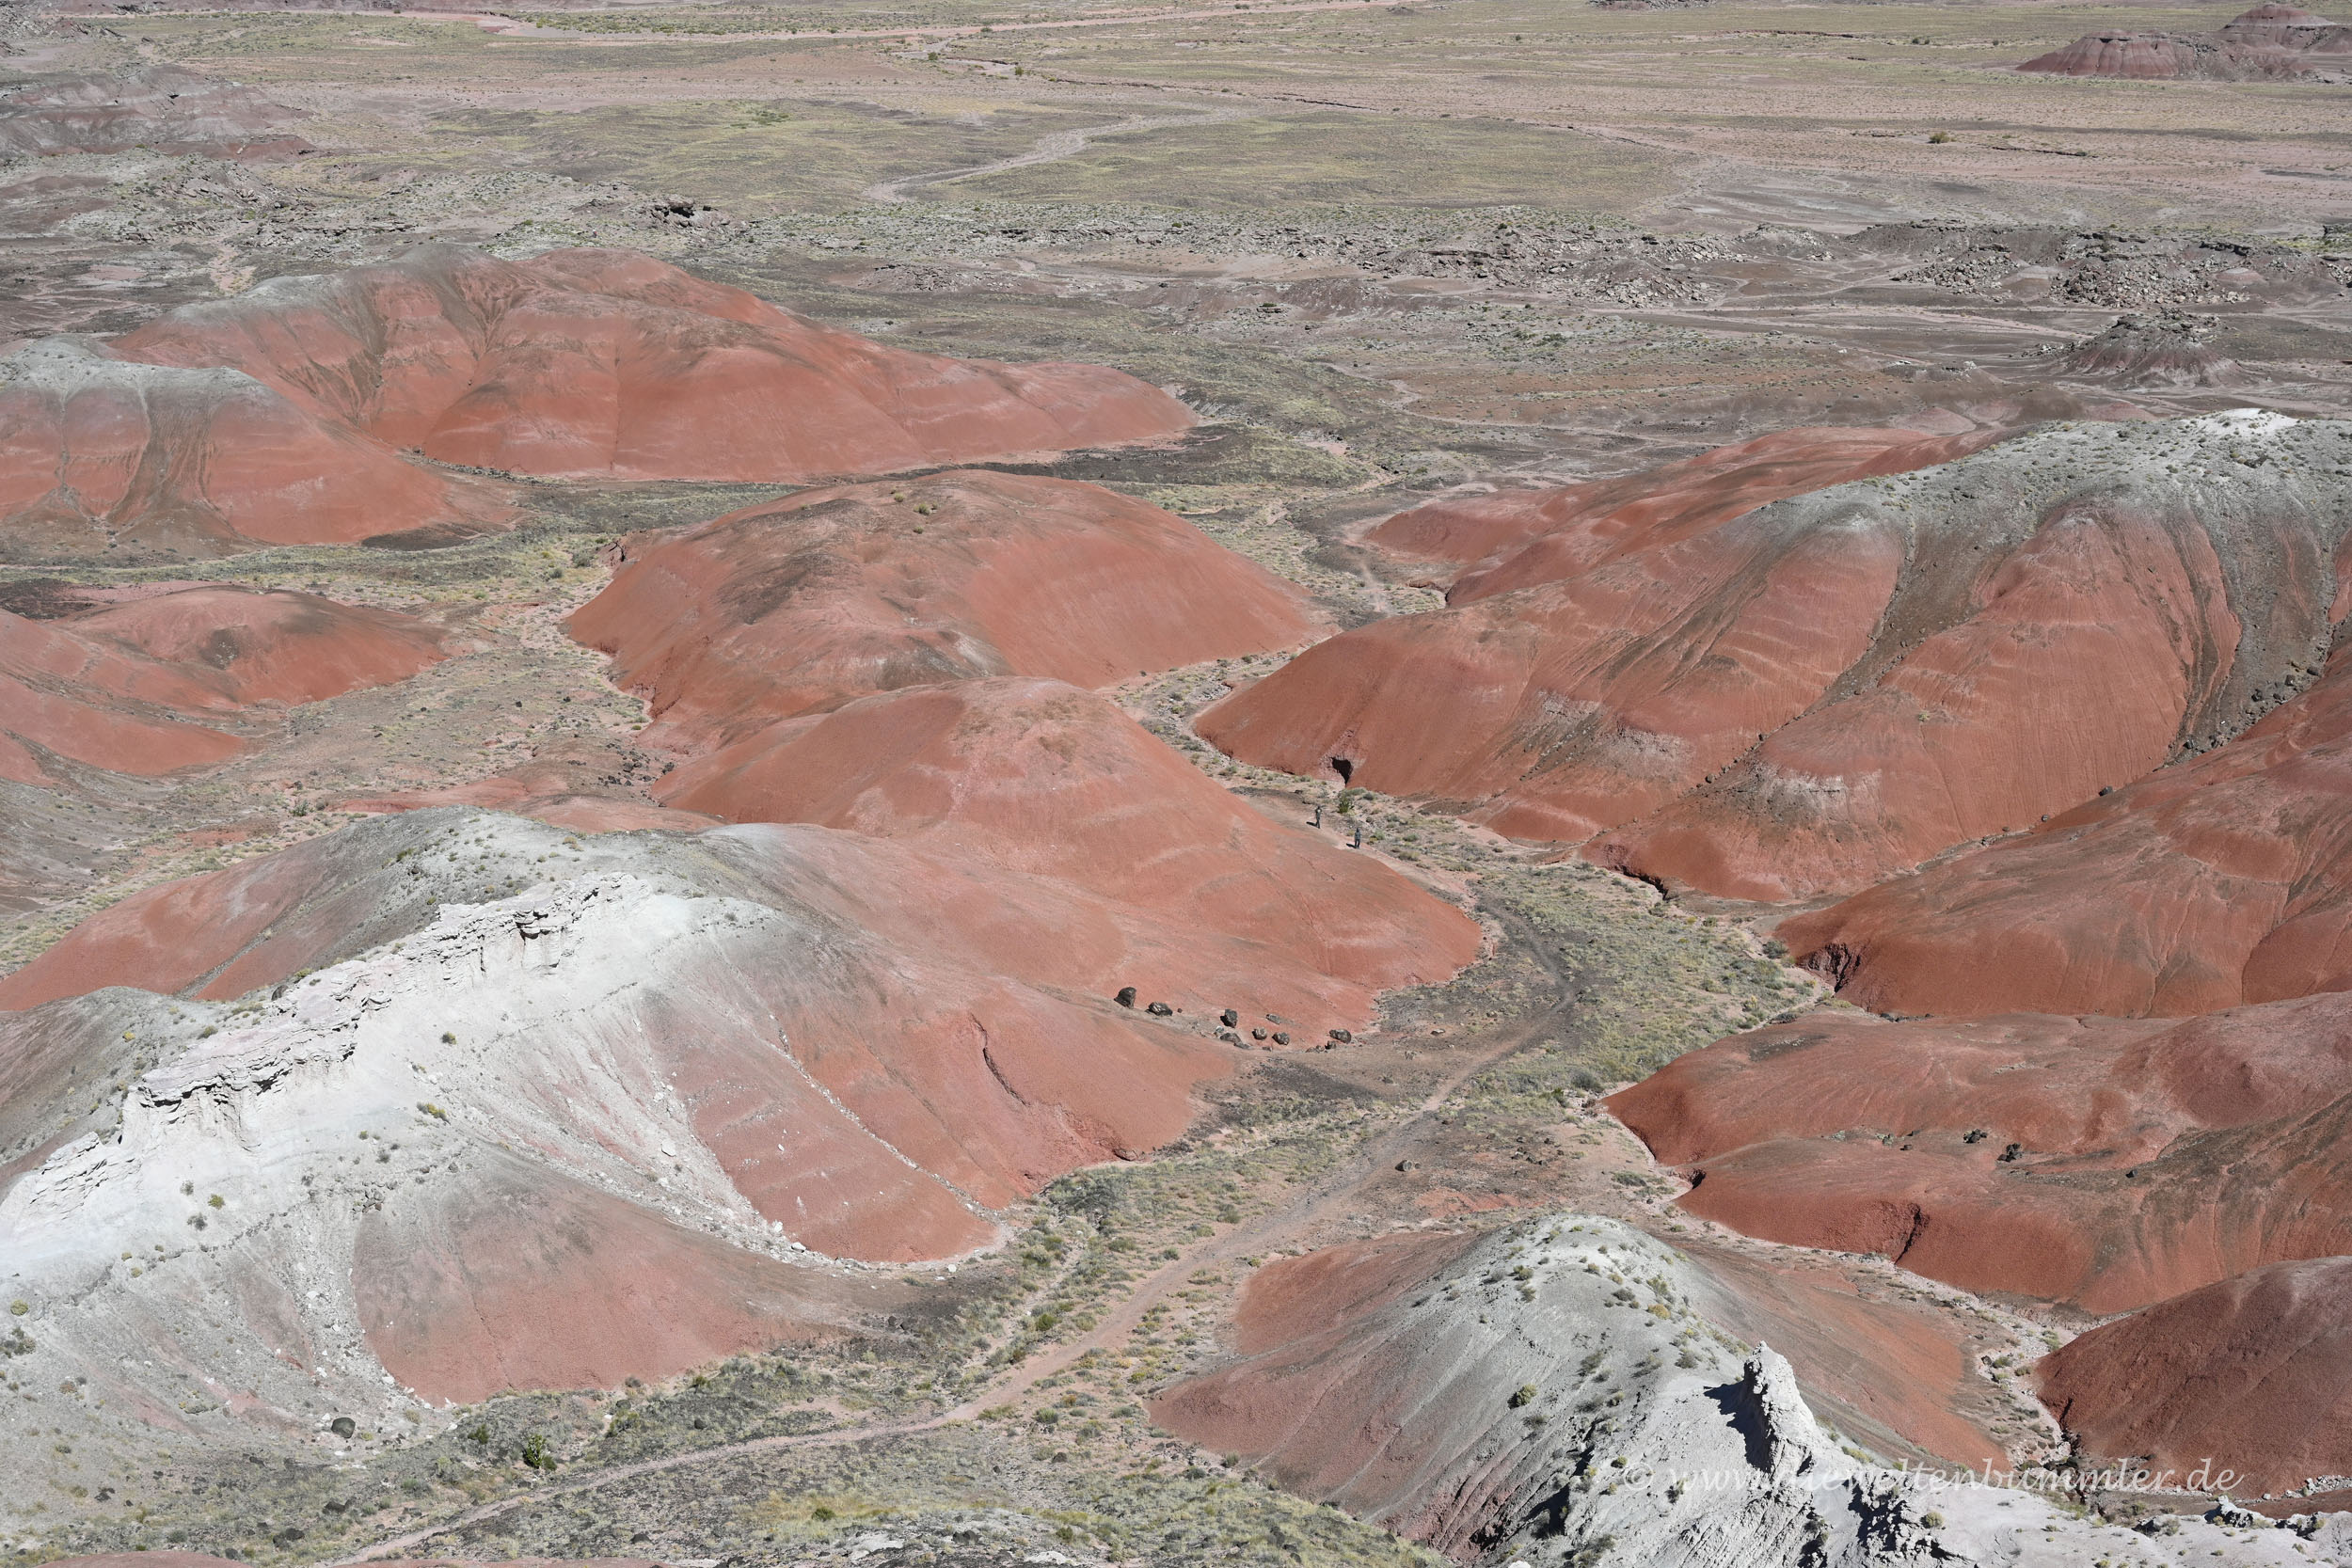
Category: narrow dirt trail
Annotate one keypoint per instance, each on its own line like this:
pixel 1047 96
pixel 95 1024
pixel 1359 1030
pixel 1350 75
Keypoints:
pixel 1297 1219
pixel 1049 149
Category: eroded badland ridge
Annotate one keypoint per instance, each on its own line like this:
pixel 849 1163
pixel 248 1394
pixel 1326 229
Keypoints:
pixel 1326 782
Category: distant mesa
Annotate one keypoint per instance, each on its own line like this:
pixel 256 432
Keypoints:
pixel 142 686
pixel 2268 43
pixel 295 413
pixel 800 605
pixel 1804 697
pixel 158 108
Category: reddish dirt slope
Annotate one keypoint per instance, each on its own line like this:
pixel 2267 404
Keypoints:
pixel 1832 688
pixel 98 451
pixel 2253 1374
pixel 1517 539
pixel 1313 1340
pixel 280 646
pixel 552 790
pixel 2114 1162
pixel 868 1042
pixel 1039 777
pixel 129 688
pixel 224 932
pixel 522 1278
pixel 2222 880
pixel 285 415
pixel 805 603
pixel 2137 57
pixel 100 706
pixel 1347 1394
pixel 608 363
pixel 1894 1372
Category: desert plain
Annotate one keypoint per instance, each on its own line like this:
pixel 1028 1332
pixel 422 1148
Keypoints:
pixel 1322 782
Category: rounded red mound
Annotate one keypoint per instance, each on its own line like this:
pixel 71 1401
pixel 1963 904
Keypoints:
pixel 100 452
pixel 139 686
pixel 801 605
pixel 1039 777
pixel 2106 1162
pixel 1812 695
pixel 2252 1375
pixel 608 363
pixel 2222 880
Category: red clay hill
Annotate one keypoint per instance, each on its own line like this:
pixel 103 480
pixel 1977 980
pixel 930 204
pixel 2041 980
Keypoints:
pixel 100 452
pixel 809 1035
pixel 2106 1162
pixel 2253 1373
pixel 801 605
pixel 2224 878
pixel 907 661
pixel 1522 538
pixel 2269 42
pixel 1038 777
pixel 139 686
pixel 1805 698
pixel 610 364
pixel 294 413
pixel 2193 1174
